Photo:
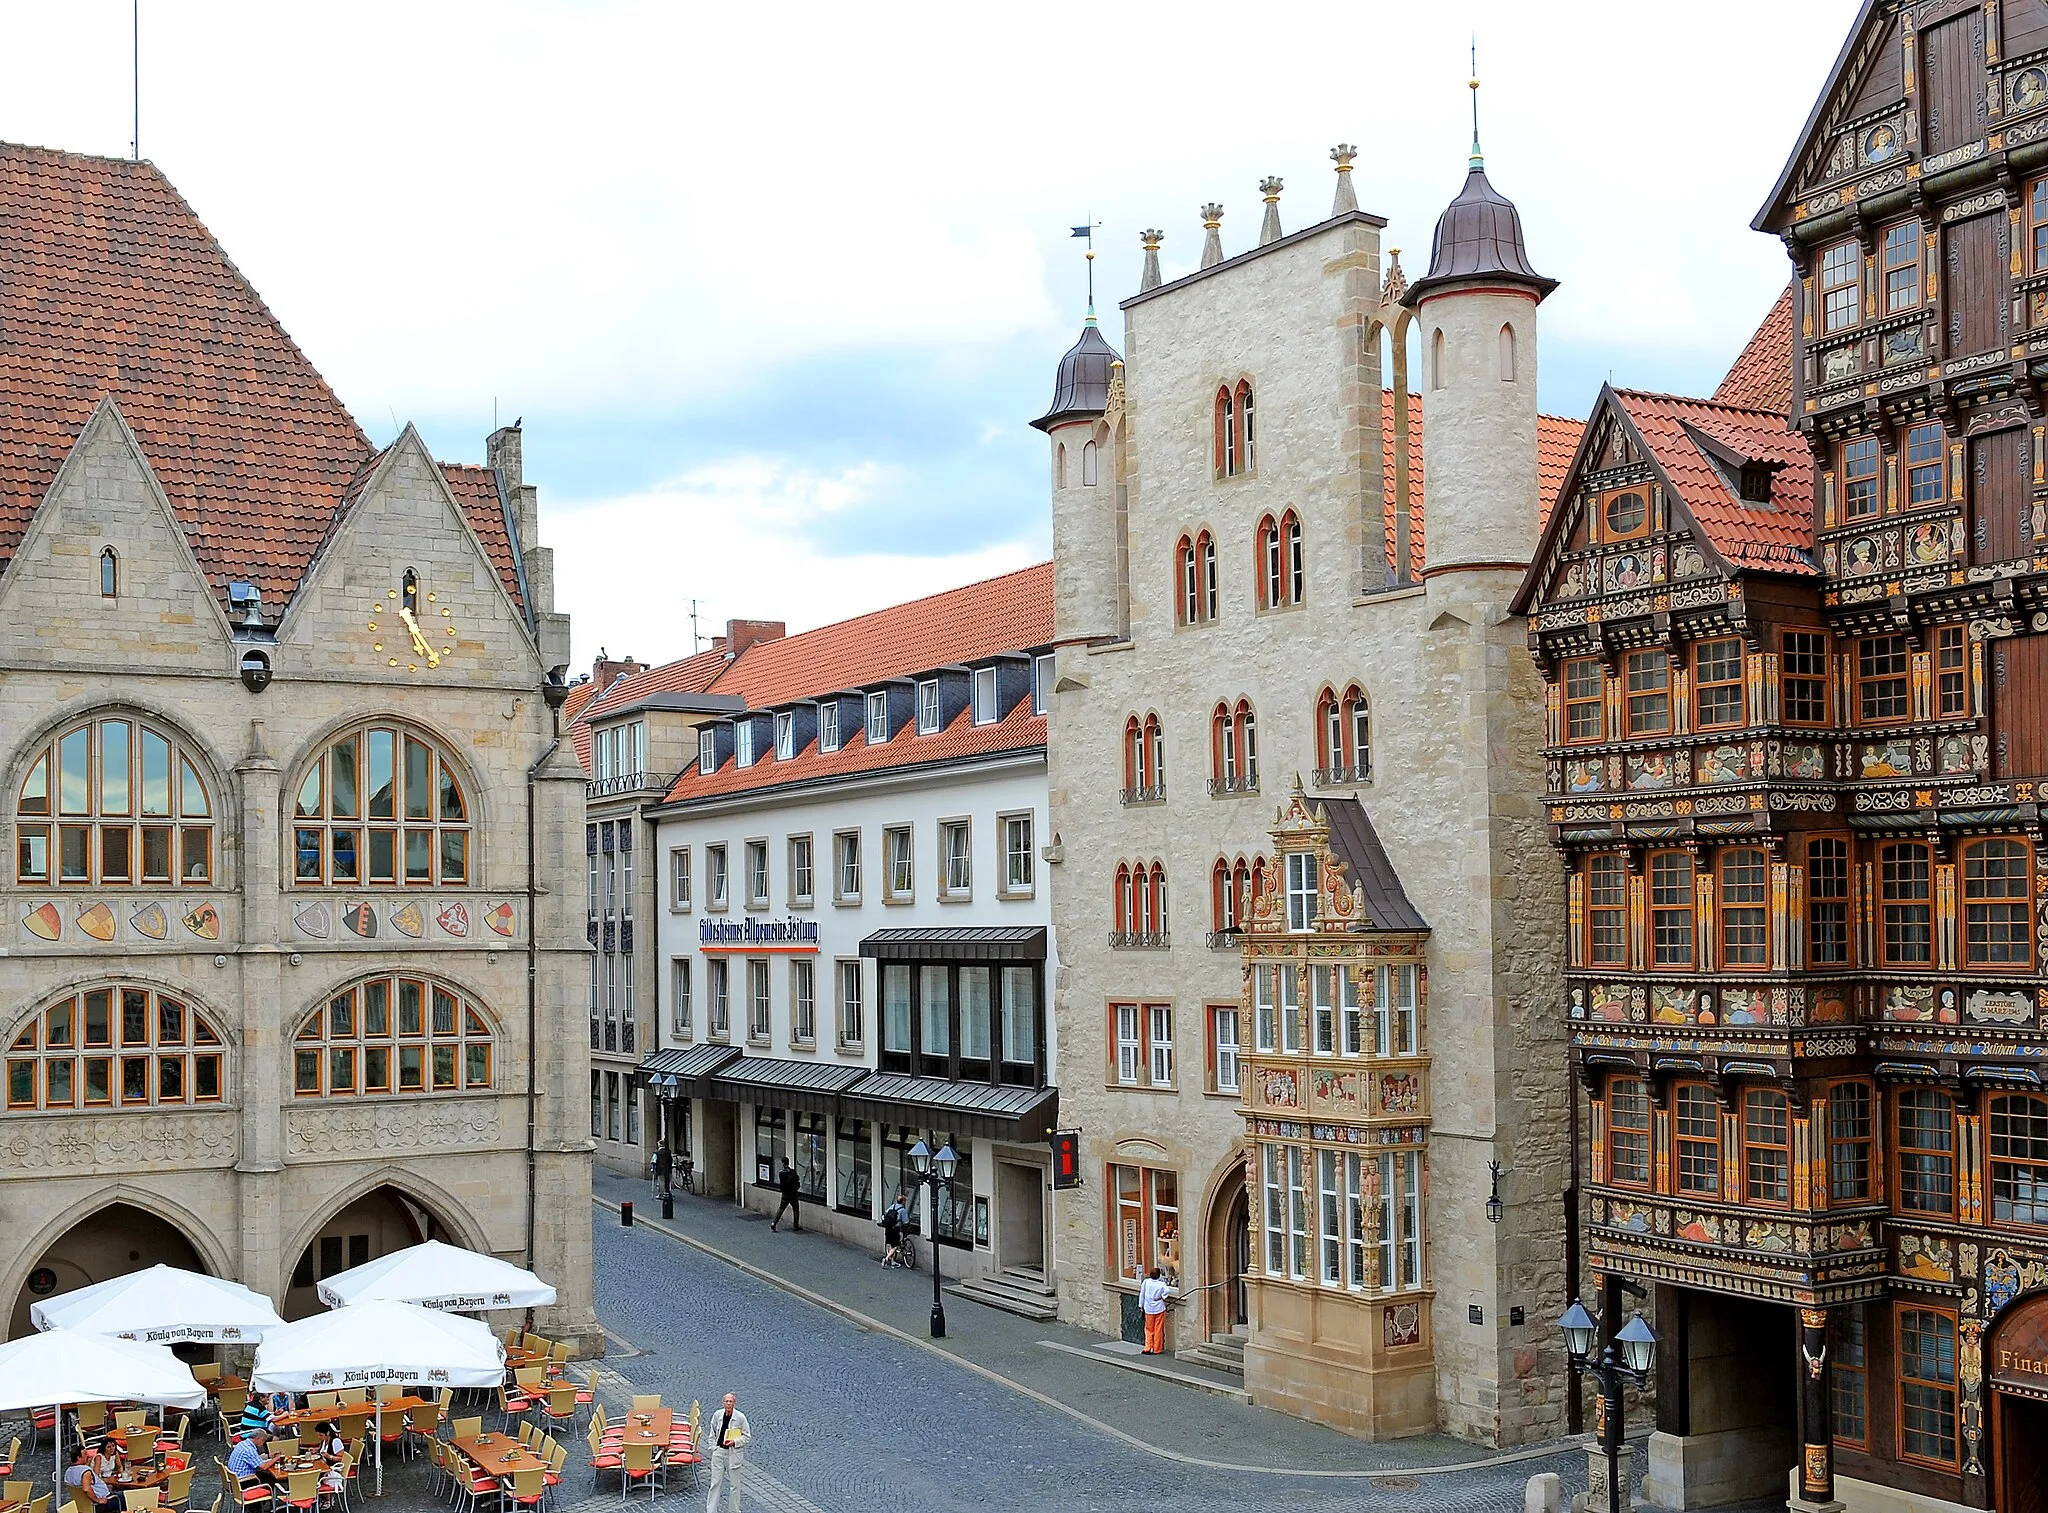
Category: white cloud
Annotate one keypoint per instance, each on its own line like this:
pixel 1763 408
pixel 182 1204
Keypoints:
pixel 734 536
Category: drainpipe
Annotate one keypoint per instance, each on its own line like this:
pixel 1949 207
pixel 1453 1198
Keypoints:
pixel 554 694
pixel 1575 1412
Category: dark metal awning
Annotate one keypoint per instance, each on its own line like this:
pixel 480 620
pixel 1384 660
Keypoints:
pixel 958 943
pixel 811 1086
pixel 992 1111
pixel 684 1067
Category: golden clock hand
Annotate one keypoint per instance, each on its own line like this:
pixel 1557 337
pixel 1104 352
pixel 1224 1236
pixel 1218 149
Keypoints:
pixel 419 639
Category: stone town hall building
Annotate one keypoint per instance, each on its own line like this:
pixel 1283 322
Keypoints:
pixel 1796 742
pixel 1308 929
pixel 289 978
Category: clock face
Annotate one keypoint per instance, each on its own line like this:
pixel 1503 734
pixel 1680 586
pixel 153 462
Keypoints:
pixel 410 628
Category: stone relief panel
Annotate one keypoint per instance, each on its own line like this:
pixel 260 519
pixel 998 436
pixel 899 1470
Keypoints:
pixel 89 1143
pixel 344 1130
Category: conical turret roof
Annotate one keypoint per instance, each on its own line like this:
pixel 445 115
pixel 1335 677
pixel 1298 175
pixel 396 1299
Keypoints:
pixel 1081 387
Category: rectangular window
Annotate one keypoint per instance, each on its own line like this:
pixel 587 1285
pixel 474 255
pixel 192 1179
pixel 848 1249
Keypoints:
pixel 828 725
pixel 757 1000
pixel 853 1167
pixel 785 736
pixel 1263 1020
pixel 596 1095
pixel 1671 909
pixel 1803 677
pixel 896 1008
pixel 987 709
pixel 1396 1031
pixel 1585 690
pixel 1827 902
pixel 1329 1222
pixel 1400 1238
pixel 1290 1010
pixel 1322 999
pixel 1840 302
pixel 1159 1043
pixel 1275 1210
pixel 1606 911
pixel 1927 1386
pixel 1628 1132
pixel 2018 1126
pixel 1297 1212
pixel 803 1005
pixel 1649 692
pixel 852 1005
pixel 877 731
pixel 743 742
pixel 1352 1010
pixel 1997 908
pixel 757 874
pixel 1926 465
pixel 896 852
pixel 846 866
pixel 707 751
pixel 1881 679
pixel 679 877
pixel 1021 1049
pixel 679 997
pixel 1696 1138
pixel 1128 1028
pixel 1745 900
pixel 2037 224
pixel 1861 496
pixel 631 1100
pixel 1301 890
pixel 1223 1076
pixel 1145 1223
pixel 1849 1409
pixel 611 1105
pixel 928 707
pixel 1904 910
pixel 800 880
pixel 1041 683
pixel 1926 1147
pixel 721 996
pixel 1951 674
pixel 956 858
pixel 1018 862
pixel 1852 1129
pixel 714 877
pixel 1901 267
pixel 1717 684
pixel 1766 1147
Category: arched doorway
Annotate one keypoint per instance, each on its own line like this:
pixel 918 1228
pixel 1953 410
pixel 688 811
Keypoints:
pixel 120 1238
pixel 2016 1372
pixel 1228 1252
pixel 376 1224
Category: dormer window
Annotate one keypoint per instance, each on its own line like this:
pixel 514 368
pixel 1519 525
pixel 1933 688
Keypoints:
pixel 785 737
pixel 878 719
pixel 707 751
pixel 1301 891
pixel 828 725
pixel 1756 482
pixel 928 707
pixel 743 742
pixel 987 708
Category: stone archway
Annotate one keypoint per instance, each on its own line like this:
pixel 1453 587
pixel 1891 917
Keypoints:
pixel 1226 1251
pixel 110 1242
pixel 370 1225
pixel 2016 1375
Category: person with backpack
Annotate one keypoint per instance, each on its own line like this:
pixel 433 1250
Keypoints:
pixel 893 1219
pixel 788 1185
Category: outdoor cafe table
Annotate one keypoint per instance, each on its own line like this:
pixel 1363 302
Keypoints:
pixel 394 1408
pixel 137 1476
pixel 496 1455
pixel 518 1358
pixel 646 1428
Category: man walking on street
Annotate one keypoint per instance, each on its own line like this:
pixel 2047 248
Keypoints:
pixel 729 1437
pixel 1152 1295
pixel 786 1184
pixel 664 1167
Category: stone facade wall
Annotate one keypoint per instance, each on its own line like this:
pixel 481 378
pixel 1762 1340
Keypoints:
pixel 1456 706
pixel 249 1180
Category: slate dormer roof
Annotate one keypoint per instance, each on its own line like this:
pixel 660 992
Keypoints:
pixel 1356 844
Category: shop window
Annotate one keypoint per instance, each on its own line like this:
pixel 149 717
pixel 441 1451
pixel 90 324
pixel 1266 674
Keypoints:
pixel 853 1168
pixel 1926 1145
pixel 114 803
pixel 1927 1386
pixel 116 1046
pixel 1766 1148
pixel 1628 1132
pixel 2018 1127
pixel 1852 1130
pixel 1998 926
pixel 393 1035
pixel 1696 1136
pixel 771 1143
pixel 1144 1228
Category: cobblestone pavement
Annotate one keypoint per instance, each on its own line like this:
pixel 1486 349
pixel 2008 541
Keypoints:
pixel 852 1418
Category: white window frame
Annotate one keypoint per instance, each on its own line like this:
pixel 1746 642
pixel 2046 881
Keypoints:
pixel 1041 682
pixel 899 860
pixel 679 879
pixel 743 742
pixel 1273 1216
pixel 1019 832
pixel 1396 1028
pixel 757 850
pixel 846 863
pixel 760 1001
pixel 828 725
pixel 877 724
pixel 1226 1072
pixel 679 997
pixel 718 970
pixel 1323 1009
pixel 852 1001
pixel 707 750
pixel 1265 999
pixel 1302 879
pixel 1159 1044
pixel 1128 1027
pixel 930 708
pixel 1298 1259
pixel 987 699
pixel 785 736
pixel 1329 1218
pixel 1350 1012
pixel 717 879
pixel 1290 1009
pixel 803 1001
pixel 956 859
pixel 803 882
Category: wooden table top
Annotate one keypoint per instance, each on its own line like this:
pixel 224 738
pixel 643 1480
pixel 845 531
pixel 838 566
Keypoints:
pixel 497 1455
pixel 396 1407
pixel 137 1476
pixel 518 1357
pixel 647 1428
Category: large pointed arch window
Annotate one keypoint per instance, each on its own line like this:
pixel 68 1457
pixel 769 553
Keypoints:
pixel 119 1046
pixel 381 806
pixel 392 1035
pixel 114 802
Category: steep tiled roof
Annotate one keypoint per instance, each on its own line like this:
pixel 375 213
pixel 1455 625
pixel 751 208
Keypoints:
pixel 1557 440
pixel 1777 537
pixel 684 675
pixel 111 287
pixel 476 490
pixel 1009 613
pixel 1762 376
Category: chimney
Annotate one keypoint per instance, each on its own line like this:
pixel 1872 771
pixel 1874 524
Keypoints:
pixel 1270 231
pixel 741 634
pixel 1212 244
pixel 1151 241
pixel 1347 199
pixel 604 671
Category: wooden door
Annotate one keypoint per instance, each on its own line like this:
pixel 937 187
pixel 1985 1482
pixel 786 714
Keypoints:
pixel 2019 706
pixel 1952 77
pixel 1974 290
pixel 2001 490
pixel 2020 1454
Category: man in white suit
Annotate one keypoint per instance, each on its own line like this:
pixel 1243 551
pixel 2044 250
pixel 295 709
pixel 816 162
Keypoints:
pixel 729 1437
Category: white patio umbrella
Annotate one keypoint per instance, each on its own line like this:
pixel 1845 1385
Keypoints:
pixel 61 1366
pixel 377 1344
pixel 442 1277
pixel 162 1305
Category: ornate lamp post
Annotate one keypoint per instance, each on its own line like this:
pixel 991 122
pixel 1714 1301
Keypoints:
pixel 935 1171
pixel 1639 1349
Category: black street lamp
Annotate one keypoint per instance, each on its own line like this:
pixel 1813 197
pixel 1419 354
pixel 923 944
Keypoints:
pixel 1493 1203
pixel 933 1171
pixel 1639 1349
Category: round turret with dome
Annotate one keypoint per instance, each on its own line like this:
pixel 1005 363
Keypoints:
pixel 1083 515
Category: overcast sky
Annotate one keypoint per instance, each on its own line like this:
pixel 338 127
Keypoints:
pixel 776 287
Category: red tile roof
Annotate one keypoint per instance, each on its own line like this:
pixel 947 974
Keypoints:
pixel 1557 441
pixel 685 675
pixel 111 287
pixel 1777 537
pixel 1762 376
pixel 476 491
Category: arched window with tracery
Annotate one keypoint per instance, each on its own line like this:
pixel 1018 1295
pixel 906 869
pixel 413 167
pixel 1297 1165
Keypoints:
pixel 110 573
pixel 1227 900
pixel 1246 452
pixel 114 802
pixel 1226 434
pixel 1281 568
pixel 394 1034
pixel 1144 761
pixel 382 805
pixel 1343 736
pixel 1195 578
pixel 1233 749
pixel 119 1046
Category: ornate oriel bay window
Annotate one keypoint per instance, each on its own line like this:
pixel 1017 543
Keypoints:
pixel 1335 1078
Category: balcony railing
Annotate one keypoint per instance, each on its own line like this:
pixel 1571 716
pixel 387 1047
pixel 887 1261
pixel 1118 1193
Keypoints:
pixel 1138 940
pixel 1222 940
pixel 1154 793
pixel 1229 787
pixel 620 782
pixel 1342 774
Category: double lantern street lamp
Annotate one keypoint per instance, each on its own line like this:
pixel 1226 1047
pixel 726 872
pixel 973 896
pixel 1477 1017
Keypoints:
pixel 1638 1350
pixel 935 1170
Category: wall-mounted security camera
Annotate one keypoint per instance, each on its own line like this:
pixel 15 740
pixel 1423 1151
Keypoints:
pixel 255 671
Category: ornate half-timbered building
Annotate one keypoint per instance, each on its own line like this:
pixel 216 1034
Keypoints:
pixel 1796 640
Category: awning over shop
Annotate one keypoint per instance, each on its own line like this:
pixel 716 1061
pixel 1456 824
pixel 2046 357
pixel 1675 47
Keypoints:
pixel 811 1086
pixel 958 943
pixel 684 1068
pixel 994 1112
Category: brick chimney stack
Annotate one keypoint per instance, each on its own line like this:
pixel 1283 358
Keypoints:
pixel 605 671
pixel 740 634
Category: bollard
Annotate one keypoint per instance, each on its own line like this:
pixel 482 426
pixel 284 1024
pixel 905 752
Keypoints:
pixel 626 1213
pixel 668 1204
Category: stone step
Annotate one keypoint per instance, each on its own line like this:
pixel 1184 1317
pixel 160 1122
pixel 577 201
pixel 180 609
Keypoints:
pixel 999 1292
pixel 1222 1352
pixel 1027 1276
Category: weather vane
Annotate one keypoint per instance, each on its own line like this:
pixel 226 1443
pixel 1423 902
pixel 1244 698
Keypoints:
pixel 1088 231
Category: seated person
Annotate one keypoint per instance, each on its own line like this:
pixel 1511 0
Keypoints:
pixel 255 1415
pixel 106 1457
pixel 251 1457
pixel 330 1448
pixel 87 1482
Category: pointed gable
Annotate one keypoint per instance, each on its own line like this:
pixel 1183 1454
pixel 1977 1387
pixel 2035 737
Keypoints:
pixel 1869 73
pixel 1681 436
